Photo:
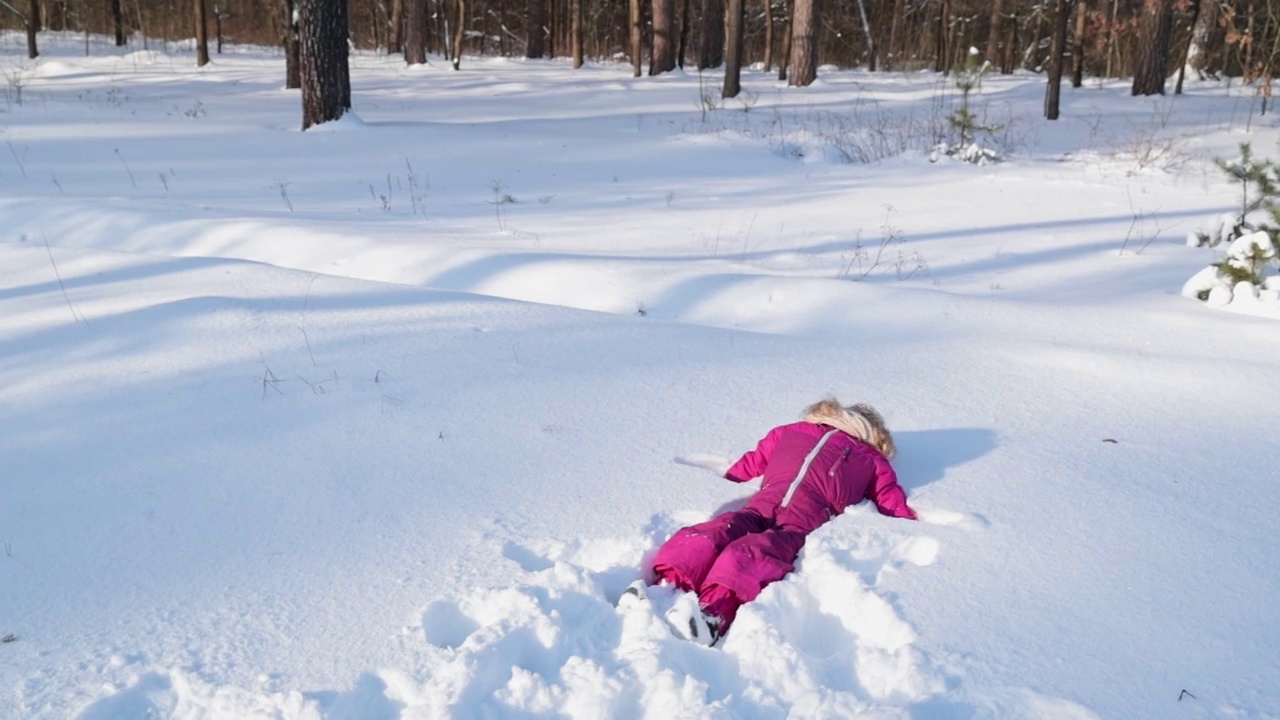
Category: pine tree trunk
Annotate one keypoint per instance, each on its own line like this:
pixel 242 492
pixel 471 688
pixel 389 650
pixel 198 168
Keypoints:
pixel 326 77
pixel 117 21
pixel 735 17
pixel 395 42
pixel 634 23
pixel 682 51
pixel 662 57
pixel 1191 41
pixel 768 35
pixel 784 60
pixel 1111 37
pixel 1152 59
pixel 459 34
pixel 33 27
pixel 993 33
pixel 895 35
pixel 575 9
pixel 1057 53
pixel 1077 45
pixel 711 34
pixel 804 43
pixel 202 35
pixel 292 63
pixel 1010 46
pixel 415 36
pixel 1204 51
pixel 1031 61
pixel 535 29
pixel 941 62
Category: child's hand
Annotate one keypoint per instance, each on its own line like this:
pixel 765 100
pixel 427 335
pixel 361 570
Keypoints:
pixel 713 463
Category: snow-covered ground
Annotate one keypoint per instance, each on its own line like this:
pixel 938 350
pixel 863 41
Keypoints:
pixel 378 421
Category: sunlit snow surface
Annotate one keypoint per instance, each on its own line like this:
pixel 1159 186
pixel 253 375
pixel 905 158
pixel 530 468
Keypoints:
pixel 318 425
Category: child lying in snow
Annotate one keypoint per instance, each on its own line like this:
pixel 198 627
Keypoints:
pixel 813 469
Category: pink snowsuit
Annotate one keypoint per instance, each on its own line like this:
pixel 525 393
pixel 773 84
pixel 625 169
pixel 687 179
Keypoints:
pixel 811 474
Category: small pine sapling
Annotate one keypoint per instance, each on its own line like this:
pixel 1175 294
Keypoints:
pixel 962 121
pixel 1252 243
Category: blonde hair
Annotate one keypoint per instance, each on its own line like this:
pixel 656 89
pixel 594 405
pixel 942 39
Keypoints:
pixel 860 420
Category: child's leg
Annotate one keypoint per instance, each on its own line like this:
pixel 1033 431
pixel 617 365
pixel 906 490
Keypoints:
pixel 685 559
pixel 744 568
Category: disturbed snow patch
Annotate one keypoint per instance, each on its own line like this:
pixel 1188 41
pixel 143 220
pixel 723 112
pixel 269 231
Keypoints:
pixel 826 642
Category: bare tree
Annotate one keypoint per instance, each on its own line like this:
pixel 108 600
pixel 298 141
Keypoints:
pixel 1057 52
pixel 711 33
pixel 326 77
pixel 662 56
pixel 535 29
pixel 804 43
pixel 1152 60
pixel 734 20
pixel 202 35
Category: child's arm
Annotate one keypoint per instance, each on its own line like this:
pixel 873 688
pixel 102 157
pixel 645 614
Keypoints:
pixel 752 464
pixel 887 494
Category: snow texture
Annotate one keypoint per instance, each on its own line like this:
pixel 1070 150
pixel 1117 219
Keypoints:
pixel 378 421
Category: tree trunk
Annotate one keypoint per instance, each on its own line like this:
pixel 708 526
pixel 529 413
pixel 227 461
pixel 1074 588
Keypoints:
pixel 735 18
pixel 1009 56
pixel 1077 45
pixel 1111 37
pixel 871 38
pixel 993 32
pixel 895 35
pixel 1204 51
pixel 292 63
pixel 941 62
pixel 634 22
pixel 202 35
pixel 682 51
pixel 33 27
pixel 1151 62
pixel 1031 61
pixel 459 33
pixel 711 34
pixel 805 24
pixel 1191 41
pixel 326 77
pixel 535 29
pixel 662 56
pixel 575 8
pixel 395 44
pixel 1057 54
pixel 117 20
pixel 415 36
pixel 784 60
pixel 768 35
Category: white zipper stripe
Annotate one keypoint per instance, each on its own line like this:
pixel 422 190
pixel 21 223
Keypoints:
pixel 804 469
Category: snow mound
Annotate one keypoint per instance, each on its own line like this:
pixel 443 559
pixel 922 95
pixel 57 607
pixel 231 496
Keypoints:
pixel 825 642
